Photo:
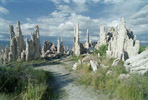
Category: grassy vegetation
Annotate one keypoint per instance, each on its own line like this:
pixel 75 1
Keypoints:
pixel 0 48
pixel 74 58
pixel 134 88
pixel 102 50
pixel 21 83
pixel 142 48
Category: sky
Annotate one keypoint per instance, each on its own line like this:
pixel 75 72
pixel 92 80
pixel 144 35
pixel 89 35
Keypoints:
pixel 57 18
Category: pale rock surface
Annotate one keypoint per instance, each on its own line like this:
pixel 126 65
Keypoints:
pixel 109 72
pixel 23 55
pixel 138 64
pixel 94 65
pixel 87 41
pixel 123 76
pixel 33 48
pixel 18 50
pixel 115 62
pixel 98 55
pixel 122 44
pixel 48 48
pixel 103 37
pixel 88 58
pixel 20 40
pixel 103 66
pixel 75 66
pixel 6 55
pixel 76 48
pixel 60 47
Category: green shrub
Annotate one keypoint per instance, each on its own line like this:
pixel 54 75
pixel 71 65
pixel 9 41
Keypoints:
pixel 25 83
pixel 102 50
pixel 0 48
pixel 74 58
pixel 135 88
pixel 142 48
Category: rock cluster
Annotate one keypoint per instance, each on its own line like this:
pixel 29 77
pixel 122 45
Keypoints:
pixel 103 37
pixel 60 47
pixel 80 48
pixel 87 41
pixel 76 47
pixel 48 48
pixel 18 50
pixel 121 42
pixel 33 47
pixel 138 64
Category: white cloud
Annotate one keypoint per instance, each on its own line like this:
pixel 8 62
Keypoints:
pixel 6 1
pixel 61 22
pixel 139 21
pixel 113 1
pixel 28 19
pixel 66 1
pixel 3 1
pixel 4 25
pixel 1 36
pixel 3 10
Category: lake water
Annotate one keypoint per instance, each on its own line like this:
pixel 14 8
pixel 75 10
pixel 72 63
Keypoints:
pixel 66 42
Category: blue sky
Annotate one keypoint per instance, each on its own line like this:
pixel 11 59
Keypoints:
pixel 58 17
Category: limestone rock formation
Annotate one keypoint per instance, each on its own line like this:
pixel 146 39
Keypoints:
pixel 60 48
pixel 20 40
pixel 87 41
pixel 75 66
pixel 94 65
pixel 123 43
pixel 48 48
pixel 138 64
pixel 88 58
pixel 18 50
pixel 33 48
pixel 6 55
pixel 123 77
pixel 76 47
pixel 103 37
pixel 115 62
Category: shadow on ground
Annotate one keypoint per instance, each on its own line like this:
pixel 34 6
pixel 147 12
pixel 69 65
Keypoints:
pixel 55 88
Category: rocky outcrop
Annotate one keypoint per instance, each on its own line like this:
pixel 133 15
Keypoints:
pixel 18 50
pixel 122 44
pixel 123 77
pixel 87 41
pixel 60 47
pixel 115 62
pixel 48 48
pixel 33 48
pixel 20 40
pixel 76 47
pixel 94 65
pixel 103 37
pixel 75 66
pixel 138 64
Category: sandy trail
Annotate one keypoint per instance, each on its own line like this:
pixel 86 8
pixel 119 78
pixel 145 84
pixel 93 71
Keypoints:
pixel 65 82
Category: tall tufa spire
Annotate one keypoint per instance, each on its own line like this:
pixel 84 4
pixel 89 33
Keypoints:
pixel 18 29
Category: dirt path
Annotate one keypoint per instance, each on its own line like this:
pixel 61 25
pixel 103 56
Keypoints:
pixel 65 82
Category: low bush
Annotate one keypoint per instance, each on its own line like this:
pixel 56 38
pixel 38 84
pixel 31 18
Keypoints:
pixel 142 48
pixel 134 88
pixel 22 83
pixel 102 50
pixel 74 58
